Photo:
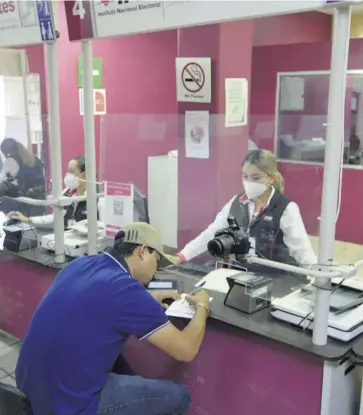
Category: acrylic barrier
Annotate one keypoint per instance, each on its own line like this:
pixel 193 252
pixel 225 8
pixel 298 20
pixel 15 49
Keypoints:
pixel 190 167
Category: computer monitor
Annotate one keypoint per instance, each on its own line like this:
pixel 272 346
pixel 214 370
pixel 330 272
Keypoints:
pixel 141 211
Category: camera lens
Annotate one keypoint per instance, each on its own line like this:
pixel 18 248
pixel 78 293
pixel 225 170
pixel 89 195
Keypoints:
pixel 221 246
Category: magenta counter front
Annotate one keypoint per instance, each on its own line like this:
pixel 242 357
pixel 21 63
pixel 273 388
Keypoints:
pixel 251 365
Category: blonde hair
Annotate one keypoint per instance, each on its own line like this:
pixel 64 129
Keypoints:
pixel 26 156
pixel 265 161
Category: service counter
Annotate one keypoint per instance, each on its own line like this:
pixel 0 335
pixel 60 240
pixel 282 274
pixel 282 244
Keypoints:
pixel 25 276
pixel 248 364
pixel 254 364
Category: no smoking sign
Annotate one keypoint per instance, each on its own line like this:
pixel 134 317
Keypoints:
pixel 193 79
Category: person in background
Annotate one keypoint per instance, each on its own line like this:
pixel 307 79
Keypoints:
pixel 82 323
pixel 273 222
pixel 75 184
pixel 26 172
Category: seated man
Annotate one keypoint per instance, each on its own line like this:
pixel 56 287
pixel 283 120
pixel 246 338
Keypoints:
pixel 82 323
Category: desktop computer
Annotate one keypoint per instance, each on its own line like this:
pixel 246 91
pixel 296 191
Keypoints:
pixel 141 211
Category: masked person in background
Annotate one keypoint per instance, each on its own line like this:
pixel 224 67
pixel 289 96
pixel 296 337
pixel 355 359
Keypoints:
pixel 22 174
pixel 75 185
pixel 272 221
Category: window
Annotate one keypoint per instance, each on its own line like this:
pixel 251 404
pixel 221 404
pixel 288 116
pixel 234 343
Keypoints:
pixel 302 116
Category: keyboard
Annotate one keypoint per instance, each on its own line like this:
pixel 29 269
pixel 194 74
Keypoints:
pixel 191 268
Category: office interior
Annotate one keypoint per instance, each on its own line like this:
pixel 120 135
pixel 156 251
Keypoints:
pixel 286 60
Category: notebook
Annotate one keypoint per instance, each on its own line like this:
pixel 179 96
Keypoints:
pixel 182 309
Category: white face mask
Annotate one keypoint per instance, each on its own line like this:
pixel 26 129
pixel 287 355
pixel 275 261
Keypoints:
pixel 254 189
pixel 71 181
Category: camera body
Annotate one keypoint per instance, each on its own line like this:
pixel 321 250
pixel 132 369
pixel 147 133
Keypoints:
pixel 231 240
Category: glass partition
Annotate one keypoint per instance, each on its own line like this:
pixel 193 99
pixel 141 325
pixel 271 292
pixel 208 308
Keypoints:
pixel 189 165
pixel 302 117
pixel 143 150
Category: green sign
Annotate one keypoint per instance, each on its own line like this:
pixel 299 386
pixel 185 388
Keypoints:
pixel 97 73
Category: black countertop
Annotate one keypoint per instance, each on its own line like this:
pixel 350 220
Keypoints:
pixel 261 323
pixel 40 256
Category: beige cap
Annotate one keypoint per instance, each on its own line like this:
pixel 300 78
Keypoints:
pixel 142 233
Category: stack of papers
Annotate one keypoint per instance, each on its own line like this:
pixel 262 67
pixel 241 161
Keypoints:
pixel 217 279
pixel 182 309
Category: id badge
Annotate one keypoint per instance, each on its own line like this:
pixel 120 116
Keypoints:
pixel 252 245
pixel 71 222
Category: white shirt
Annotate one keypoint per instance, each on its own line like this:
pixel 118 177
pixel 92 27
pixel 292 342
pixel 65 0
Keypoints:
pixel 47 221
pixel 291 224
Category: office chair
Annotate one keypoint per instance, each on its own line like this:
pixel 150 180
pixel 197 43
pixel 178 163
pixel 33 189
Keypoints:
pixel 13 401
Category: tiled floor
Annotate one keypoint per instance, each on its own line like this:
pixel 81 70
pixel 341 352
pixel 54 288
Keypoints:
pixel 9 352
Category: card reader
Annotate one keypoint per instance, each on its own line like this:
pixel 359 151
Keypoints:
pixel 248 292
pixel 19 236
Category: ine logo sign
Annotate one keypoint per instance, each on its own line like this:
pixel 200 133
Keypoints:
pixel 193 79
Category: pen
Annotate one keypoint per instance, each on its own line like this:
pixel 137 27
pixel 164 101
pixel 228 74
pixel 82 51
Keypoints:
pixel 196 289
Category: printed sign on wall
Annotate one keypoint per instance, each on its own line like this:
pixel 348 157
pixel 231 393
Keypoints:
pixel 193 80
pixel 119 206
pixel 99 101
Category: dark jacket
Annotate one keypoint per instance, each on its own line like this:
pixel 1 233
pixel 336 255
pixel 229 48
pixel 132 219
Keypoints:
pixel 265 228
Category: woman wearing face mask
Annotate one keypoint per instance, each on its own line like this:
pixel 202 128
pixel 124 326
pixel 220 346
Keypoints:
pixel 273 222
pixel 75 185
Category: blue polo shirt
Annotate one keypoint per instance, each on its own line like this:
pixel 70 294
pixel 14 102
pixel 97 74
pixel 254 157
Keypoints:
pixel 78 331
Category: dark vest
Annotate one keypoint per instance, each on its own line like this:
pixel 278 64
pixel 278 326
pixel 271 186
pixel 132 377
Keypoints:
pixel 265 228
pixel 75 212
pixel 31 180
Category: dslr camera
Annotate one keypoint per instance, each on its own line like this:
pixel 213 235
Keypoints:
pixel 231 240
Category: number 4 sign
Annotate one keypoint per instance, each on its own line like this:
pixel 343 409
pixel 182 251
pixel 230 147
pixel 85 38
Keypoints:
pixel 79 19
pixel 78 9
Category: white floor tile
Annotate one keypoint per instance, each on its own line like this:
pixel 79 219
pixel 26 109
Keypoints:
pixel 9 380
pixel 7 339
pixel 9 357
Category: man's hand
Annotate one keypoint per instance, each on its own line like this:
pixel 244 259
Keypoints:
pixel 175 260
pixel 162 295
pixel 200 297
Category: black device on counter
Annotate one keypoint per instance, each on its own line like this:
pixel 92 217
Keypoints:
pixel 19 236
pixel 249 292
